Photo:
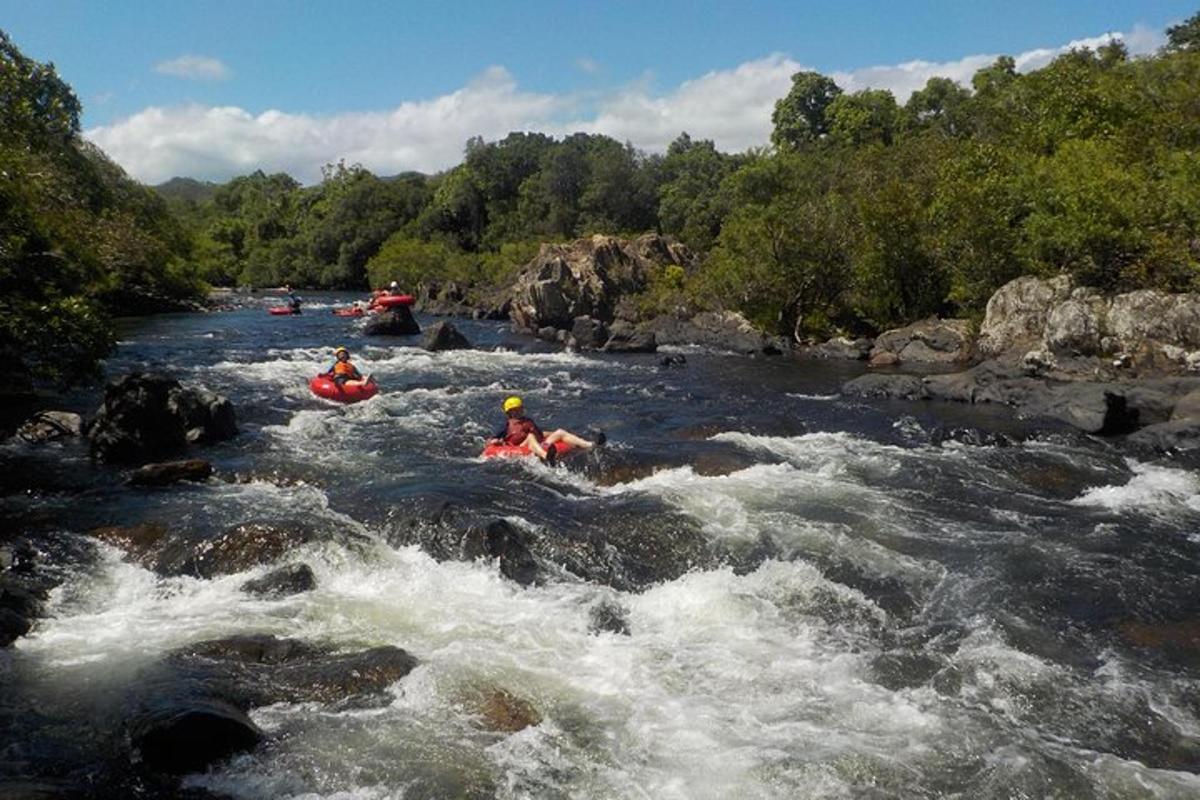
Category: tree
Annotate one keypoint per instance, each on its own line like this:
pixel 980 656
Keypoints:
pixel 941 105
pixel 690 203
pixel 800 116
pixel 866 117
pixel 1185 35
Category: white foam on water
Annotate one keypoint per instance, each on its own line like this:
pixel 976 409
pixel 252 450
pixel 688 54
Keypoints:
pixel 1153 490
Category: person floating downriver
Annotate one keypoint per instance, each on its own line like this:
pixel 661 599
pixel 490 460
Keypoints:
pixel 520 431
pixel 293 300
pixel 344 373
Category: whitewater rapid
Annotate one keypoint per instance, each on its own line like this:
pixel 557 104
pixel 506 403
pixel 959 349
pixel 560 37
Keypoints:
pixel 911 630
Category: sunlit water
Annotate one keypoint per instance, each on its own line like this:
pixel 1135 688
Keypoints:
pixel 932 620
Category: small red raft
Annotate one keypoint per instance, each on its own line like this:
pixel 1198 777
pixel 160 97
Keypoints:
pixel 280 311
pixel 392 300
pixel 323 386
pixel 519 451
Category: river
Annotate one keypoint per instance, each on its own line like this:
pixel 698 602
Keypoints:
pixel 918 601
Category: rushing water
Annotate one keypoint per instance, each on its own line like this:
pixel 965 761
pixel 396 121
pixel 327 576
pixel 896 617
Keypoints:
pixel 935 618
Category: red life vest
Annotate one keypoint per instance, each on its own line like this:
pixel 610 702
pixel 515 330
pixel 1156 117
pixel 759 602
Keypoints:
pixel 519 430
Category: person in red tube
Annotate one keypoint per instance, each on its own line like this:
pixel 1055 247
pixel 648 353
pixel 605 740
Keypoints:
pixel 519 430
pixel 343 372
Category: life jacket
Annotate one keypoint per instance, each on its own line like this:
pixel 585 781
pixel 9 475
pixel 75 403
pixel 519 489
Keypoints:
pixel 519 430
pixel 344 368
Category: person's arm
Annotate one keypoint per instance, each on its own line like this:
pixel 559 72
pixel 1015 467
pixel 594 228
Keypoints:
pixel 356 375
pixel 537 431
pixel 499 435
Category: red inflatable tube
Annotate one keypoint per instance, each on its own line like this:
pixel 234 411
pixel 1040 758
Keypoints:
pixel 280 311
pixel 389 300
pixel 323 386
pixel 518 451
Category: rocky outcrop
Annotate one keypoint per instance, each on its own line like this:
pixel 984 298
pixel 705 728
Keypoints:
pixel 144 416
pixel 1156 329
pixel 841 347
pixel 396 321
pixel 50 426
pixel 1099 407
pixel 720 330
pixel 625 337
pixel 588 278
pixel 283 582
pixel 444 336
pixel 931 341
pixel 588 333
pixel 166 473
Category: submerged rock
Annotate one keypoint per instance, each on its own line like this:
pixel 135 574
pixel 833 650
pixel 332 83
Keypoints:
pixel 396 321
pixel 168 472
pixel 503 712
pixel 444 336
pixel 608 617
pixel 285 581
pixel 144 416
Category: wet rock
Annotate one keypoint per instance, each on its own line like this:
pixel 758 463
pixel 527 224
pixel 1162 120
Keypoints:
pixel 256 670
pixel 502 540
pixel 144 416
pixel 547 333
pixel 12 626
pixel 721 330
pixel 50 426
pixel 444 336
pixel 235 550
pixel 189 736
pixel 588 333
pixel 169 472
pixel 673 360
pixel 1187 406
pixel 1177 435
pixel 904 387
pixel 1076 324
pixel 503 712
pixel 842 348
pixel 608 617
pixel 624 337
pixel 932 341
pixel 285 581
pixel 396 321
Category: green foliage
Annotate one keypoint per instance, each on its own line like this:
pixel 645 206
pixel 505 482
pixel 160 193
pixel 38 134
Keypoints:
pixel 800 117
pixel 862 118
pixel 1185 35
pixel 78 239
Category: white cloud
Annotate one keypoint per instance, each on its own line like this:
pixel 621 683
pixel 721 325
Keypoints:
pixel 732 107
pixel 195 68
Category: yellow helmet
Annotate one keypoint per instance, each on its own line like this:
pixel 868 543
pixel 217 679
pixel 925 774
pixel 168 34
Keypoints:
pixel 511 403
pixel 341 350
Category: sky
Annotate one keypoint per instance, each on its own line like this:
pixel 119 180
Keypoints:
pixel 216 89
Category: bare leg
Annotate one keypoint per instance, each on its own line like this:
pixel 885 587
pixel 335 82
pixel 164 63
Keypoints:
pixel 566 436
pixel 535 446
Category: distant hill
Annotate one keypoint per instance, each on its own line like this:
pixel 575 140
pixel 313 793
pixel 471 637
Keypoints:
pixel 188 190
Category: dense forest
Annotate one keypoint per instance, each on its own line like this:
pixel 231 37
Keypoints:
pixel 861 215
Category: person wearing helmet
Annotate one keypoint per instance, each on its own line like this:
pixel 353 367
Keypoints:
pixel 394 288
pixel 519 430
pixel 293 300
pixel 343 372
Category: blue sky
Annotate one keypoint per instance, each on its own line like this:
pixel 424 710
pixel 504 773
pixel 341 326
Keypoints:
pixel 386 83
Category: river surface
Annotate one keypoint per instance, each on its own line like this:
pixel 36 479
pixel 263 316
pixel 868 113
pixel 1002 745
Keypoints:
pixel 932 612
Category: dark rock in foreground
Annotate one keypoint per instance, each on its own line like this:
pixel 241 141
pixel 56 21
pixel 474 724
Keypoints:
pixel 396 321
pixel 144 416
pixel 188 736
pixel 168 472
pixel 285 581
pixel 444 336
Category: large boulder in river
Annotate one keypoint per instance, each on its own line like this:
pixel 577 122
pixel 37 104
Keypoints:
pixel 587 278
pixel 144 416
pixel 395 321
pixel 1016 314
pixel 931 341
pixel 720 330
pixel 444 336
pixel 624 337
